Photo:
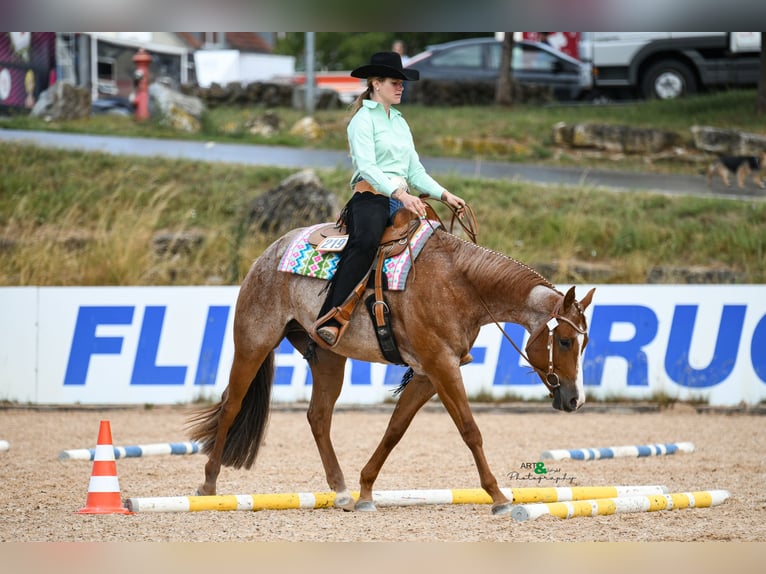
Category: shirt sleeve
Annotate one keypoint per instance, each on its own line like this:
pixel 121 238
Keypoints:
pixel 419 178
pixel 361 141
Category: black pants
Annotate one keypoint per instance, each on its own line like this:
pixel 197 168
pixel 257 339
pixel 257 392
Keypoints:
pixel 367 215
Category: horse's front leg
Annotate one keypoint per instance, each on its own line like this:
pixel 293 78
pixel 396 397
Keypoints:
pixel 327 375
pixel 413 397
pixel 452 394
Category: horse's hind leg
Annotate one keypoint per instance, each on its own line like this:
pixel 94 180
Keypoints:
pixel 413 397
pixel 327 375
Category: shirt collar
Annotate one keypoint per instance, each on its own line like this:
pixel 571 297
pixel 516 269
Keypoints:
pixel 371 104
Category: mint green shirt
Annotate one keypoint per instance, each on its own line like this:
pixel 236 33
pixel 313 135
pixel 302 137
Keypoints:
pixel 382 149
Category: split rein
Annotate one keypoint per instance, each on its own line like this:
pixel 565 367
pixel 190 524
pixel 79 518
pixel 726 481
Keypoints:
pixel 464 216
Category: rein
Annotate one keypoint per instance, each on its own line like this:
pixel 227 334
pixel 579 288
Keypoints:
pixel 550 378
pixel 470 225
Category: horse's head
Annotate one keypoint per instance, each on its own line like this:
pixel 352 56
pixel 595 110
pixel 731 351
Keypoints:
pixel 555 351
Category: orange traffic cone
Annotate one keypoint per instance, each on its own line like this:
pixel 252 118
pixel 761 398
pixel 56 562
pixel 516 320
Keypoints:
pixel 104 488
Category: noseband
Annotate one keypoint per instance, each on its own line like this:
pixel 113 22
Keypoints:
pixel 550 378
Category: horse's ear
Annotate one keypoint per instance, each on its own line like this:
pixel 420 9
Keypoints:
pixel 587 299
pixel 569 298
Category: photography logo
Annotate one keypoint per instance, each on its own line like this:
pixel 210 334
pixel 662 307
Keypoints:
pixel 538 472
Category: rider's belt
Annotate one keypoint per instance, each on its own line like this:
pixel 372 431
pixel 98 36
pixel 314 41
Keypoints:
pixel 363 185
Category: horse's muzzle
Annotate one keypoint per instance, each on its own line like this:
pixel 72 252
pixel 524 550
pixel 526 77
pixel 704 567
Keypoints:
pixel 564 400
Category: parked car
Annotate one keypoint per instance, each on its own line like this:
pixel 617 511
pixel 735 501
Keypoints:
pixel 478 59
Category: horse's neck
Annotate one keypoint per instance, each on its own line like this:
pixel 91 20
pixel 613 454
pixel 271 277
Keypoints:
pixel 541 301
pixel 512 291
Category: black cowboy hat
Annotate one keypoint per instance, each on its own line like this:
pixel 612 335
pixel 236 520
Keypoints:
pixel 385 65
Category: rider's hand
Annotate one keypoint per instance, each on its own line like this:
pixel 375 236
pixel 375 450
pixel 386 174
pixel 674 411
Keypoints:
pixel 455 202
pixel 410 202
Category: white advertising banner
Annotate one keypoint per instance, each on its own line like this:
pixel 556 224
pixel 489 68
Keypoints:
pixel 167 345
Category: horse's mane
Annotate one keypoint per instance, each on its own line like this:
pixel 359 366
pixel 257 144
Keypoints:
pixel 490 266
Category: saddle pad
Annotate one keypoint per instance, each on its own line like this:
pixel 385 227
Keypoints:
pixel 302 258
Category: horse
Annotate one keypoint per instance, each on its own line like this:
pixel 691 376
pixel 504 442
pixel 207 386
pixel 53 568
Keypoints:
pixel 454 289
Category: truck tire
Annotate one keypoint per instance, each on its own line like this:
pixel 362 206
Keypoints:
pixel 667 80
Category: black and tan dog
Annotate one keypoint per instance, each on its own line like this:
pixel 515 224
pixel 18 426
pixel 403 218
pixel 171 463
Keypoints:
pixel 739 165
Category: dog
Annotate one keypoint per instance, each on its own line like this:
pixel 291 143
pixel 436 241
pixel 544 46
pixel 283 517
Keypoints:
pixel 739 165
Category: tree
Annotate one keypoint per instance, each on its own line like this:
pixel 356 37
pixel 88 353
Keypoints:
pixel 504 91
pixel 761 105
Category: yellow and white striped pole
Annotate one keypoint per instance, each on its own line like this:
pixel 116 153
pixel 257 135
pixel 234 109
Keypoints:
pixel 310 500
pixel 605 506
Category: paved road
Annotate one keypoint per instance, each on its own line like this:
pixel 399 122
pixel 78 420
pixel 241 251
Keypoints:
pixel 300 158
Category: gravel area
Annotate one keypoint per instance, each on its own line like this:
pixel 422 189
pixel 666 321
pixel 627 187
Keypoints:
pixel 40 494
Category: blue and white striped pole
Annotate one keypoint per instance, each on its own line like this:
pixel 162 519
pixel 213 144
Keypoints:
pixel 189 447
pixel 618 451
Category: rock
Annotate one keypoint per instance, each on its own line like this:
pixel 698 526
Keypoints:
pixel 63 101
pixel 324 98
pixel 175 242
pixel 727 142
pixel 694 275
pixel 297 201
pixel 623 139
pixel 266 125
pixel 307 127
pixel 175 109
pixel 577 271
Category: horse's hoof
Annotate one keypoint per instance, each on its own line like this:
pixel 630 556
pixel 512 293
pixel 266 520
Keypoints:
pixel 504 508
pixel 344 500
pixel 365 506
pixel 202 492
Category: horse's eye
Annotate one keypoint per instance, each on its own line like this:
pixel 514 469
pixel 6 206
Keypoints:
pixel 565 344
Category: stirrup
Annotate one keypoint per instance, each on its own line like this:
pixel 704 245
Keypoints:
pixel 328 334
pixel 319 324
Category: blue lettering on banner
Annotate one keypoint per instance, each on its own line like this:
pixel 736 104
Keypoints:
pixel 509 371
pixel 145 369
pixel 283 374
pixel 724 356
pixel 757 346
pixel 85 343
pixel 212 344
pixel 600 346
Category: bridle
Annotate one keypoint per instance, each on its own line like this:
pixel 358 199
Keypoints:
pixel 550 378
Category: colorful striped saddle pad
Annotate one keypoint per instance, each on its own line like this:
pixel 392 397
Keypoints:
pixel 302 258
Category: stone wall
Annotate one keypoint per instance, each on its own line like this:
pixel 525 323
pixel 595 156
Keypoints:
pixel 630 140
pixel 426 92
pixel 445 93
pixel 267 94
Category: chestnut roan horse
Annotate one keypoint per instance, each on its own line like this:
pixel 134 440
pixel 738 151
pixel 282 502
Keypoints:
pixel 455 288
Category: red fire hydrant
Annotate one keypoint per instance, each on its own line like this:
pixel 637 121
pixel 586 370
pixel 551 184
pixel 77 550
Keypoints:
pixel 141 82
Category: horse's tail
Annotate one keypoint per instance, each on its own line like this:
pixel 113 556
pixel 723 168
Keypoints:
pixel 248 429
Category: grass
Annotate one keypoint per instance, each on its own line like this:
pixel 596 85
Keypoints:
pixel 71 218
pixel 521 133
